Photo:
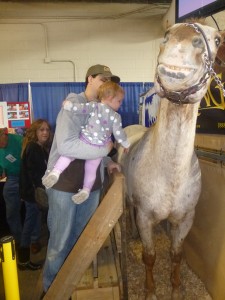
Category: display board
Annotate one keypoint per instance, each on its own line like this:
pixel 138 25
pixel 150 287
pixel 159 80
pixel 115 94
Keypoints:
pixel 211 117
pixel 14 115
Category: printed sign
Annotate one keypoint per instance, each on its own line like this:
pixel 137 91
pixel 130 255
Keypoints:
pixel 18 114
pixel 211 117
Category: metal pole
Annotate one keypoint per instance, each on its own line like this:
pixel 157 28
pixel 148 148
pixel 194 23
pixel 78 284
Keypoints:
pixel 9 268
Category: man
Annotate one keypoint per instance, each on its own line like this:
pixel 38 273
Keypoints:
pixel 10 152
pixel 66 220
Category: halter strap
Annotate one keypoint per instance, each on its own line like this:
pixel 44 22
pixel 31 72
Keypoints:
pixel 199 30
pixel 181 97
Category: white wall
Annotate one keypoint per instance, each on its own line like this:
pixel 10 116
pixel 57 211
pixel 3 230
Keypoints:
pixel 128 47
pixel 62 50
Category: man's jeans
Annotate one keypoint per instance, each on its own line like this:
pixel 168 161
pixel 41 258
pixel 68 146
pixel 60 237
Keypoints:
pixel 66 221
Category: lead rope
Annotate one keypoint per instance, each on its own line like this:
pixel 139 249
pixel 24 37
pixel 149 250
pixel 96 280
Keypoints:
pixel 214 75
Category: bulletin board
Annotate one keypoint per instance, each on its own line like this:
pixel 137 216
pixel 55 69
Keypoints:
pixel 14 115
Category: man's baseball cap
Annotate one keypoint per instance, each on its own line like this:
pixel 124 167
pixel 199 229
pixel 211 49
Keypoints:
pixel 104 70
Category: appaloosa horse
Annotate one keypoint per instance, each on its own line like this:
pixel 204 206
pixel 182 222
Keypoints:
pixel 162 171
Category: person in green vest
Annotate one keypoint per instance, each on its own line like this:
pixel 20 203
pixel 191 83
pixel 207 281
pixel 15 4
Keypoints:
pixel 10 160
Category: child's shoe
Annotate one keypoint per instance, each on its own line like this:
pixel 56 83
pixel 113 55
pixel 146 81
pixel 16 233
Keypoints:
pixel 49 180
pixel 81 196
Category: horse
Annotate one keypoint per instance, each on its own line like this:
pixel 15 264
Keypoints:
pixel 162 173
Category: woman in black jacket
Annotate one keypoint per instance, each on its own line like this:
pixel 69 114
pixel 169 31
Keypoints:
pixel 35 152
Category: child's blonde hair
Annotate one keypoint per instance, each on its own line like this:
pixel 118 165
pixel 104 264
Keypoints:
pixel 108 89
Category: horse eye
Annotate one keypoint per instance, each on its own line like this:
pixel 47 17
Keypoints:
pixel 217 41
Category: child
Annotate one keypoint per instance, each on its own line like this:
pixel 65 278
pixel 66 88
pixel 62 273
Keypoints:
pixel 103 121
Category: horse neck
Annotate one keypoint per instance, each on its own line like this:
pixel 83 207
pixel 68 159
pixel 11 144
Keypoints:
pixel 174 132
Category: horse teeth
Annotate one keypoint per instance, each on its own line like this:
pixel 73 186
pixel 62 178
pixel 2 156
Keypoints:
pixel 178 69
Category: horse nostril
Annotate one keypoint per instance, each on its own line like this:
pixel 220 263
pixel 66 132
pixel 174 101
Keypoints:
pixel 197 42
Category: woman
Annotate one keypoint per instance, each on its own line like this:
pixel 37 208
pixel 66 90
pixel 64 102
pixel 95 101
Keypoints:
pixel 35 152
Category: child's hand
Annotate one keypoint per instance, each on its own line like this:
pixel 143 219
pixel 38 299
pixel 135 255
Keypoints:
pixel 67 105
pixel 126 150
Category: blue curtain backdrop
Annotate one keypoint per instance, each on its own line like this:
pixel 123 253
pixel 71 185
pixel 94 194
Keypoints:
pixel 15 92
pixel 47 98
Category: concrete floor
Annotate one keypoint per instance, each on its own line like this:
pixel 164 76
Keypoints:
pixel 27 280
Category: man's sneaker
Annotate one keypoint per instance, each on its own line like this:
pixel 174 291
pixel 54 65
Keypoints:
pixel 29 266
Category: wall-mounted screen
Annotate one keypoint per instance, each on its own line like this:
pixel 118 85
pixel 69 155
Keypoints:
pixel 198 8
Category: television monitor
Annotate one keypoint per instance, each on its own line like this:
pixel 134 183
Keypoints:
pixel 197 8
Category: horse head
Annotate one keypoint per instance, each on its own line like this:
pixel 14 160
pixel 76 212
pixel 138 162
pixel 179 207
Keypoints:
pixel 185 62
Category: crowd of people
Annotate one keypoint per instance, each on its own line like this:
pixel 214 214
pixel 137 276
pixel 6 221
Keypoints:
pixel 67 172
pixel 23 162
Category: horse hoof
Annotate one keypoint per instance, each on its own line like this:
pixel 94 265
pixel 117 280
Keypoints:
pixel 176 295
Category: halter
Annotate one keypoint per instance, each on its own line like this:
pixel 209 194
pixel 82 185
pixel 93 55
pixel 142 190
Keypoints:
pixel 181 97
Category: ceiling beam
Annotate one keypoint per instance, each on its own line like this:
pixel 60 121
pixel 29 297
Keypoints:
pixel 94 1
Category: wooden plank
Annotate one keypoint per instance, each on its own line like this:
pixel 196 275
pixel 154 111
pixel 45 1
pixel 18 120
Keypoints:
pixel 107 293
pixel 87 280
pixel 107 274
pixel 117 256
pixel 89 243
pixel 106 269
pixel 95 267
pixel 123 256
pixel 118 238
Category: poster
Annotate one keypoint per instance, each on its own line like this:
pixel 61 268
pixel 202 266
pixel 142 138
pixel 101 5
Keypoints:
pixel 15 116
pixel 18 114
pixel 148 107
pixel 211 113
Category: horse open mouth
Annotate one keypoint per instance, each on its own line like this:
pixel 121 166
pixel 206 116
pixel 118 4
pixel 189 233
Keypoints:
pixel 179 73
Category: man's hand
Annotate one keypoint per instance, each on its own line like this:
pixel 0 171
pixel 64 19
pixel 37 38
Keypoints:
pixel 110 146
pixel 126 150
pixel 112 166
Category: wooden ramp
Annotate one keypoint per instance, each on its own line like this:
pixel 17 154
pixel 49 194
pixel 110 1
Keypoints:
pixel 71 278
pixel 102 280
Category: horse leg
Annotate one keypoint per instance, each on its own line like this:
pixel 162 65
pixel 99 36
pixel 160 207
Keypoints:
pixel 145 226
pixel 149 261
pixel 134 229
pixel 178 231
pixel 175 275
